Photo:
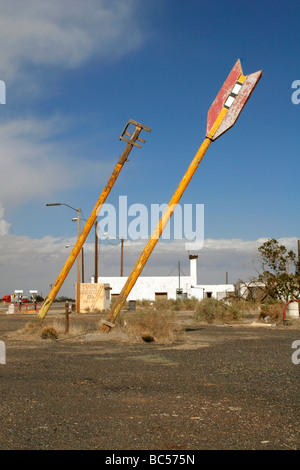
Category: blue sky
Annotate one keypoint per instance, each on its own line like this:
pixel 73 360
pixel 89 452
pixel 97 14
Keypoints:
pixel 75 72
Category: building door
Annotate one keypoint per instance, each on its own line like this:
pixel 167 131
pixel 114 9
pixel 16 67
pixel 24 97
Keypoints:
pixel 161 295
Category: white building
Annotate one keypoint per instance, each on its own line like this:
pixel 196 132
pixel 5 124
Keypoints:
pixel 168 287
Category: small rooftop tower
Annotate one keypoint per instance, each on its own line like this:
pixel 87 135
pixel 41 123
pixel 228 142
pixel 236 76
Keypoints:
pixel 193 269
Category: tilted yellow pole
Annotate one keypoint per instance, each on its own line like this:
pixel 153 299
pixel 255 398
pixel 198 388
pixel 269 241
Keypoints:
pixel 78 267
pixel 131 280
pixel 222 115
pixel 90 222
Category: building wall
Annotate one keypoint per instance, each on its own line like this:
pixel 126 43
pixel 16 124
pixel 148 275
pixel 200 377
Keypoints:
pixel 217 291
pixel 146 286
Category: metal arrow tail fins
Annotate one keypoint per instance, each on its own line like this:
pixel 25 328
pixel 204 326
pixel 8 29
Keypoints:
pixel 230 101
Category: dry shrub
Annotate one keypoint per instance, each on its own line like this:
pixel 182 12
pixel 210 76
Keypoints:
pixel 248 306
pixel 273 310
pixel 49 333
pixel 152 325
pixel 188 304
pixel 213 310
pixel 163 304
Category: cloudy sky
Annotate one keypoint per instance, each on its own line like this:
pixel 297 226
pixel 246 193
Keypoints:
pixel 75 72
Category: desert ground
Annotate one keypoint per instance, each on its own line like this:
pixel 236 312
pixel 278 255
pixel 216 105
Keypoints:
pixel 230 386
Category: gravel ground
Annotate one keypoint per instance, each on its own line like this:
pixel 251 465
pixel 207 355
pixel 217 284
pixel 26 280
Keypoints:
pixel 219 387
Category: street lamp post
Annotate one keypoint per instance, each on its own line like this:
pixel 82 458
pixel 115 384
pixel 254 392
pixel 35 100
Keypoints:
pixel 78 258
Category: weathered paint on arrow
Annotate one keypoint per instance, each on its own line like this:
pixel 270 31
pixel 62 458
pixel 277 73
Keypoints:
pixel 230 101
pixel 220 99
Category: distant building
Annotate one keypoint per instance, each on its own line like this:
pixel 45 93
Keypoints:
pixel 168 287
pixel 252 290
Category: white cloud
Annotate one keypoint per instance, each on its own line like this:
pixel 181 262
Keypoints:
pixel 30 263
pixel 33 165
pixel 4 226
pixel 64 33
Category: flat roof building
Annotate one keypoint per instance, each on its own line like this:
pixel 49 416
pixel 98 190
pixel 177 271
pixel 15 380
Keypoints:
pixel 168 287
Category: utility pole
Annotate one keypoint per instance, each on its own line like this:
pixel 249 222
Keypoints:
pixel 122 250
pixel 82 265
pixel 132 141
pixel 96 252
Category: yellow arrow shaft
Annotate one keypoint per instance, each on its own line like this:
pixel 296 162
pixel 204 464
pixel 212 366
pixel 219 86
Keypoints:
pixel 131 280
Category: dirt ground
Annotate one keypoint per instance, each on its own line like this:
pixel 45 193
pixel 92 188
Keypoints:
pixel 219 387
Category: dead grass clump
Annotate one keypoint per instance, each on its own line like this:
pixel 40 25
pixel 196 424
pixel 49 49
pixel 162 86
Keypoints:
pixel 74 330
pixel 49 333
pixel 33 328
pixel 38 328
pixel 152 325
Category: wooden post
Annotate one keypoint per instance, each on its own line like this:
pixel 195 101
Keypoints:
pixel 67 318
pixel 96 252
pixel 82 265
pixel 122 248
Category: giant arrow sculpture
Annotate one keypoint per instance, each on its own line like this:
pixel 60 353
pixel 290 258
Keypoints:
pixel 222 115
